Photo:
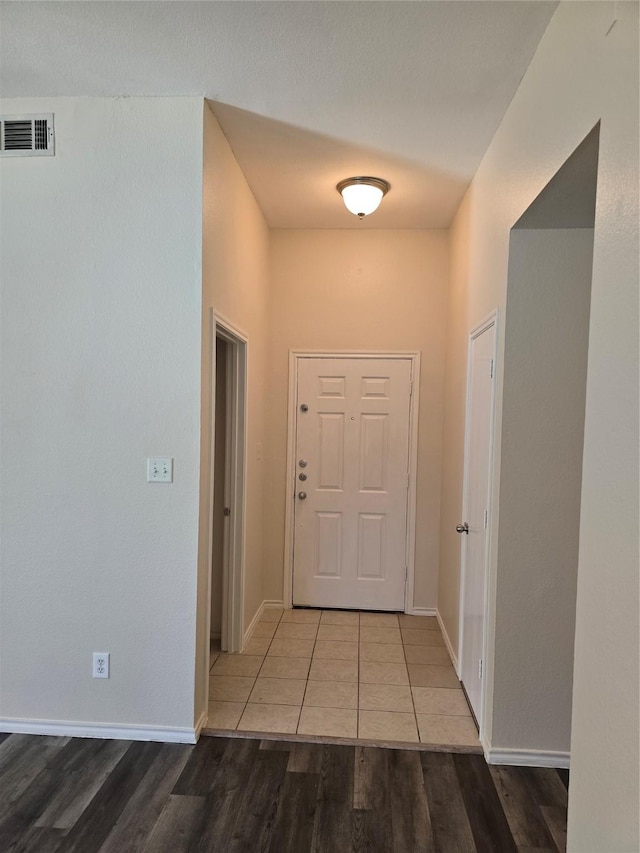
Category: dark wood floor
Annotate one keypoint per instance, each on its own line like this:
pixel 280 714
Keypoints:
pixel 232 794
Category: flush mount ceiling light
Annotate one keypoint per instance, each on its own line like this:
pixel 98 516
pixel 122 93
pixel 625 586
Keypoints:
pixel 362 195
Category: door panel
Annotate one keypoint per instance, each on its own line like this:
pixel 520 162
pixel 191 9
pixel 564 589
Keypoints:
pixel 331 440
pixel 350 529
pixel 372 545
pixel 374 452
pixel 328 538
pixel 476 512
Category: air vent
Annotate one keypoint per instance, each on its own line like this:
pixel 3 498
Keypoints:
pixel 26 136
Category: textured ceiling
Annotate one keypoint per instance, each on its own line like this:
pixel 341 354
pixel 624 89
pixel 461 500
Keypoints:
pixel 306 92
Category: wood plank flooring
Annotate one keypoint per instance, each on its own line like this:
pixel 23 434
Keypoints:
pixel 236 794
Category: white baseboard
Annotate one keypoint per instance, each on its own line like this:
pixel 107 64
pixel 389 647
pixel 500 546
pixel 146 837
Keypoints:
pixel 422 611
pixel 61 728
pixel 432 611
pixel 202 722
pixel 447 642
pixel 252 625
pixel 268 604
pixel 528 757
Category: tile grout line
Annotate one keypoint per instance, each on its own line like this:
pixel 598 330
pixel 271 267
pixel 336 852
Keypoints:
pixel 315 640
pixel 413 702
pixel 255 680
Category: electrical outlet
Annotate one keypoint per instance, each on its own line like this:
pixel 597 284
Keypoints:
pixel 101 664
pixel 160 470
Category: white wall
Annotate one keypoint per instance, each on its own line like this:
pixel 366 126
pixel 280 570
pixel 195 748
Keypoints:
pixel 101 305
pixel 235 282
pixel 368 290
pixel 579 75
pixel 545 372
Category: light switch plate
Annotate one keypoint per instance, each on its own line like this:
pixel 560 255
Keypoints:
pixel 160 469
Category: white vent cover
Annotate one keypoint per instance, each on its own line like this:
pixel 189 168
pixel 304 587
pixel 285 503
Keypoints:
pixel 26 136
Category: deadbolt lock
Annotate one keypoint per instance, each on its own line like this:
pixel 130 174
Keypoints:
pixel 302 463
pixel 302 477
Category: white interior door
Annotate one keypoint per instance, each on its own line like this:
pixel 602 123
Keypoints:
pixel 352 464
pixel 475 522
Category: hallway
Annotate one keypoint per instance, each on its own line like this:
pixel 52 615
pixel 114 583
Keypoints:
pixel 364 677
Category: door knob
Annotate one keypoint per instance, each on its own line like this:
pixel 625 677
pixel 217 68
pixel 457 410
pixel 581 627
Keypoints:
pixel 302 495
pixel 304 408
pixel 462 528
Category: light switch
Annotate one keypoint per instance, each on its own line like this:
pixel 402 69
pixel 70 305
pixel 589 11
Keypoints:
pixel 160 469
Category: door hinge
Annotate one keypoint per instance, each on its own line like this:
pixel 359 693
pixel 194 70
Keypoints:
pixel 480 668
pixel 491 368
pixel 227 510
pixel 486 518
pixel 408 478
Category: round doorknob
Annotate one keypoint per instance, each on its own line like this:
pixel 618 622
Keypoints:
pixel 462 528
pixel 302 496
pixel 304 408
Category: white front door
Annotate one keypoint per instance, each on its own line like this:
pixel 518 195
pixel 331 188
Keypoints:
pixel 477 463
pixel 352 463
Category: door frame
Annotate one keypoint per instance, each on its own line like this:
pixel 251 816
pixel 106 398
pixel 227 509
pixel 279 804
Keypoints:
pixel 235 479
pixel 490 320
pixel 294 360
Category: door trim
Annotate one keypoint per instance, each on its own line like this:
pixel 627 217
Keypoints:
pixel 294 359
pixel 235 486
pixel 490 320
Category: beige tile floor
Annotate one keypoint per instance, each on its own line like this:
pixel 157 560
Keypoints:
pixel 342 674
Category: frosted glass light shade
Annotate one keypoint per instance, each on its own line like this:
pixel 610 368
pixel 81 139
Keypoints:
pixel 362 196
pixel 361 199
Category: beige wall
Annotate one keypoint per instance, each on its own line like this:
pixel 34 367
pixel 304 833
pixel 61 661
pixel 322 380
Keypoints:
pixel 458 326
pixel 235 276
pixel 583 72
pixel 349 290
